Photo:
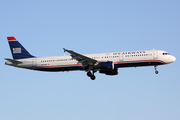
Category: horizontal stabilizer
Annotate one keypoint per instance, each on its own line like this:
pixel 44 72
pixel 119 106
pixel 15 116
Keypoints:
pixel 13 61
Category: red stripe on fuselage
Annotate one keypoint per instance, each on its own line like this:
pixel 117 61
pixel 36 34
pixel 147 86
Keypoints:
pixel 56 66
pixel 72 65
pixel 141 61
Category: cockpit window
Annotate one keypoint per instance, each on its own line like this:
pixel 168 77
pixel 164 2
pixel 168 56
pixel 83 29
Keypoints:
pixel 166 54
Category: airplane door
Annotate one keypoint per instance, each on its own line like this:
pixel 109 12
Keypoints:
pixel 121 57
pixel 155 54
pixel 33 62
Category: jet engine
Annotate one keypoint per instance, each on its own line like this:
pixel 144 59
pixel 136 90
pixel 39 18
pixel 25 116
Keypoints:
pixel 109 65
pixel 107 68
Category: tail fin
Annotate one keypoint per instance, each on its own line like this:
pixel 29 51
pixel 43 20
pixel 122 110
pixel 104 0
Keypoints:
pixel 17 50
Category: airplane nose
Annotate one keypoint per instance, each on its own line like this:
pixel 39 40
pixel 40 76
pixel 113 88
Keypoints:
pixel 173 58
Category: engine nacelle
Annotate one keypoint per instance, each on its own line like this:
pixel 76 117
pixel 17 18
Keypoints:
pixel 109 65
pixel 109 72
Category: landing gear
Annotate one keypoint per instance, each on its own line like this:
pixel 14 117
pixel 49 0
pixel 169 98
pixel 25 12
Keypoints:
pixel 156 70
pixel 91 75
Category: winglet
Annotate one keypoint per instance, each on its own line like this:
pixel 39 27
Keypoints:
pixel 64 49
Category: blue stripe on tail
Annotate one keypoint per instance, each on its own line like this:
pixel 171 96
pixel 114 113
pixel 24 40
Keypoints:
pixel 17 50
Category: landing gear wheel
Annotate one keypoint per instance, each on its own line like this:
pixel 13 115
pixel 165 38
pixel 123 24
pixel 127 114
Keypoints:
pixel 89 74
pixel 93 77
pixel 156 69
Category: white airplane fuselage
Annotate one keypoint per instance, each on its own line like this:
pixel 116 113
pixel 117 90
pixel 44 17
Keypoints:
pixel 120 59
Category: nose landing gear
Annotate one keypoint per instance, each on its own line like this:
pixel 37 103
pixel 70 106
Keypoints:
pixel 91 75
pixel 156 69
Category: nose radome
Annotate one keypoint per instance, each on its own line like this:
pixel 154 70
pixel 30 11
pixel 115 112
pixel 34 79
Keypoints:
pixel 170 59
pixel 173 58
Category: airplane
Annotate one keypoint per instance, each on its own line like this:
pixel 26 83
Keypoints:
pixel 105 63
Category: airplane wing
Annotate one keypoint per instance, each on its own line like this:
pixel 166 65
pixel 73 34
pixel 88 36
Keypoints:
pixel 86 61
pixel 13 61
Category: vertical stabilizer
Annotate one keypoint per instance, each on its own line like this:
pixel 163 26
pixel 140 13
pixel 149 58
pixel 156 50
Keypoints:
pixel 17 50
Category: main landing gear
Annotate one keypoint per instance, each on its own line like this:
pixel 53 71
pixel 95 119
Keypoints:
pixel 156 69
pixel 91 75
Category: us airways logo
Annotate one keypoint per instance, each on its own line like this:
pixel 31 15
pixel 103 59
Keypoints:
pixel 16 50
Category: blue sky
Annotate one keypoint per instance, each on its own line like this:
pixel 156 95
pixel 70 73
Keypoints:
pixel 45 27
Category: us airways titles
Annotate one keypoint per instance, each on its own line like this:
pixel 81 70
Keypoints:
pixel 133 52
